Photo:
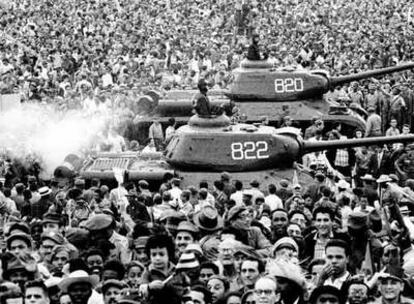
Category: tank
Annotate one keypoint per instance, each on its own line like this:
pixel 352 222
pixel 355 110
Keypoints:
pixel 259 89
pixel 205 147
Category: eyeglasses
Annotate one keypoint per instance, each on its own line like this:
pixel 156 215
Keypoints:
pixel 266 292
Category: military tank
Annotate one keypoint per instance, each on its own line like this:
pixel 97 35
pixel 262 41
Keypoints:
pixel 205 147
pixel 259 89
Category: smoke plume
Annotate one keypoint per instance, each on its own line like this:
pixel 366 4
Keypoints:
pixel 41 132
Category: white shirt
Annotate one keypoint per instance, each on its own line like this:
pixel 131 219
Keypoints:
pixel 237 197
pixel 274 202
pixel 338 282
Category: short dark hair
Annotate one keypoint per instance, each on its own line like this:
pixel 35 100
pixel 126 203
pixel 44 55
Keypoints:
pixel 315 262
pixel 161 241
pixel 279 209
pixel 94 251
pixel 116 266
pixel 210 265
pixel 238 185
pixel 324 210
pixel 272 188
pixel 260 264
pixel 291 214
pixel 207 294
pixel 37 284
pixel 338 243
pixel 219 185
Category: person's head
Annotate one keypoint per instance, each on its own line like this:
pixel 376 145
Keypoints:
pixel 265 291
pixel 239 217
pixel 185 235
pixel 323 219
pixel 238 185
pixel 139 248
pixel 52 223
pixel 207 270
pixel 405 129
pixel 80 292
pixel 294 230
pixel 390 287
pixel 19 243
pixel 60 257
pixel 36 293
pixel 337 252
pixel 393 123
pixel 279 221
pixel 95 260
pixel 198 294
pixel 226 251
pixel 48 242
pixel 357 292
pixel 134 272
pixel 315 268
pixel 202 85
pixel 218 286
pixel 232 298
pixel 298 217
pixel 113 269
pixel 250 271
pixel 326 295
pixel 160 249
pixel 111 291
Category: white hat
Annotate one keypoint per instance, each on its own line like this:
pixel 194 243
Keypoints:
pixel 44 191
pixel 78 276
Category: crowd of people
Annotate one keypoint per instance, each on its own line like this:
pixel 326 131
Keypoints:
pixel 113 51
pixel 346 237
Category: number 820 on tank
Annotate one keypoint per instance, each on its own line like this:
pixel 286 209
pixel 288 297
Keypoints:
pixel 249 150
pixel 288 85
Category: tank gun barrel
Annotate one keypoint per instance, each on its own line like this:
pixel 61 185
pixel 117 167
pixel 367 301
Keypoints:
pixel 315 146
pixel 334 81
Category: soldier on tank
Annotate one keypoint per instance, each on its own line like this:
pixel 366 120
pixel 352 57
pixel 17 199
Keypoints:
pixel 201 102
pixel 253 53
pixel 405 163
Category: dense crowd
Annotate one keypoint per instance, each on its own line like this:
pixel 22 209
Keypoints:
pixel 113 51
pixel 345 237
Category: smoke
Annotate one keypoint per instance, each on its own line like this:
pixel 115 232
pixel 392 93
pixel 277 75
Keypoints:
pixel 41 132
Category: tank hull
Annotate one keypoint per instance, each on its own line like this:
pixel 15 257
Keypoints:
pixel 154 169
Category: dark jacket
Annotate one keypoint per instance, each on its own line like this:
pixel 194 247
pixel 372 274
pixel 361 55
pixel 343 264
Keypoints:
pixel 310 242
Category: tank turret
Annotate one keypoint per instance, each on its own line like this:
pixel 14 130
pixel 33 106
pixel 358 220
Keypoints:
pixel 260 81
pixel 242 147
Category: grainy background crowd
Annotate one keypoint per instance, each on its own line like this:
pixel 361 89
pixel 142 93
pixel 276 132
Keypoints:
pixel 77 241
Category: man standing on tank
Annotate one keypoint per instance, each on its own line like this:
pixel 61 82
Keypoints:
pixel 253 52
pixel 201 101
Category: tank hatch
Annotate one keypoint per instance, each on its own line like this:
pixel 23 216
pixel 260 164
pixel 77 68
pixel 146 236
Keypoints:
pixel 213 121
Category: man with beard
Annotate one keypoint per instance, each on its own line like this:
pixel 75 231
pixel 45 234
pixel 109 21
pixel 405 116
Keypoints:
pixel 357 292
pixel 279 224
pixel 335 272
pixel 111 291
pixel 240 218
pixel 186 234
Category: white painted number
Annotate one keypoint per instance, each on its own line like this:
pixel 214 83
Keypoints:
pixel 249 150
pixel 288 85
